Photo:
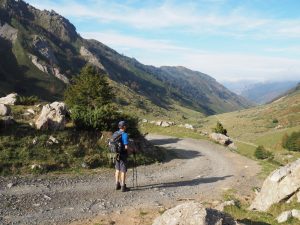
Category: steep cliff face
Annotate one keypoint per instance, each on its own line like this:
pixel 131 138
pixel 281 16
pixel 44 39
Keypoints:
pixel 41 51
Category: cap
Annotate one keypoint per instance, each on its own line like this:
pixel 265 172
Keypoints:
pixel 122 124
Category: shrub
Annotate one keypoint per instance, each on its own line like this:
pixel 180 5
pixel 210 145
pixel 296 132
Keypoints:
pixel 262 153
pixel 27 100
pixel 292 142
pixel 220 129
pixel 275 121
pixel 93 161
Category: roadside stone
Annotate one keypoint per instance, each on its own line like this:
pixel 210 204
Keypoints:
pixel 145 121
pixel 158 123
pixel 220 138
pixel 280 185
pixel 4 110
pixel 10 99
pixel 165 124
pixel 232 146
pixel 192 213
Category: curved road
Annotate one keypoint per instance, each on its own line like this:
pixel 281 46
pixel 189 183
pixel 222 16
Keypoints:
pixel 198 170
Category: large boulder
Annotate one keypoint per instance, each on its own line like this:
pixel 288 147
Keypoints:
pixel 220 138
pixel 52 117
pixel 4 110
pixel 192 213
pixel 280 185
pixel 10 99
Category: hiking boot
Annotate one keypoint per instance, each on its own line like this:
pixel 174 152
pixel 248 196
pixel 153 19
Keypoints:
pixel 124 188
pixel 118 186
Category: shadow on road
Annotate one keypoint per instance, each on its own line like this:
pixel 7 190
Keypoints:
pixel 164 141
pixel 175 153
pixel 184 183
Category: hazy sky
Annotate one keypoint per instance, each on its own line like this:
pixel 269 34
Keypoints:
pixel 227 39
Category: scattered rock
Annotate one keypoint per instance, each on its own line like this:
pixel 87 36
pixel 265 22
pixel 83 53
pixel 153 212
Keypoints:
pixel 280 185
pixel 10 99
pixel 220 138
pixel 187 126
pixel 52 140
pixel 165 124
pixel 36 166
pixel 144 121
pixel 158 123
pixel 4 110
pixel 193 213
pixel 34 141
pixel 279 127
pixel 31 111
pixel 47 197
pixel 52 117
pixel 10 185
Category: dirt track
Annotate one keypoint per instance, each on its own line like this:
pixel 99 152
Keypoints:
pixel 201 170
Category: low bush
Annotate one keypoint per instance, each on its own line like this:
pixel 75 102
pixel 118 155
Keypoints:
pixel 262 153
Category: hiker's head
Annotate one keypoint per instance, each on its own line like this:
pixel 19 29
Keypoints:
pixel 122 125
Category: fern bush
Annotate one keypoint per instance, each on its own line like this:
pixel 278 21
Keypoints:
pixel 27 100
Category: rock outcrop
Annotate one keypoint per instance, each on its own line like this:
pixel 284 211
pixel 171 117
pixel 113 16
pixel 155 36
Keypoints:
pixel 48 69
pixel 281 185
pixel 52 117
pixel 90 57
pixel 220 138
pixel 192 213
pixel 10 99
pixel 4 110
pixel 8 32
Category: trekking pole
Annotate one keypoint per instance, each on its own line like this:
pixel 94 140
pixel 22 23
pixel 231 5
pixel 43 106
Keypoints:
pixel 136 176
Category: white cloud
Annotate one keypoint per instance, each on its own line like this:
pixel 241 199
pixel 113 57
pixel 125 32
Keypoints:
pixel 222 66
pixel 238 22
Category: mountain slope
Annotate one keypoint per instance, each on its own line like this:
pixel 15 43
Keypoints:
pixel 41 52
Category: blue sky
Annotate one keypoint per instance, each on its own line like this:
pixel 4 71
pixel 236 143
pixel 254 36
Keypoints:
pixel 227 39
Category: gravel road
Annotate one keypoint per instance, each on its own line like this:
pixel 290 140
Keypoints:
pixel 200 170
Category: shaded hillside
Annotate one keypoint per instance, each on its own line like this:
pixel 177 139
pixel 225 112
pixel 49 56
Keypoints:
pixel 41 52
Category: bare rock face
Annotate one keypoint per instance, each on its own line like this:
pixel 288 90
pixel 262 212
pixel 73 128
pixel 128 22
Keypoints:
pixel 91 58
pixel 52 117
pixel 4 110
pixel 8 32
pixel 192 213
pixel 48 69
pixel 281 185
pixel 42 46
pixel 220 138
pixel 10 99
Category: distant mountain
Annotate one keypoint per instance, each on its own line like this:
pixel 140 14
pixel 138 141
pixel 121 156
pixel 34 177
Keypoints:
pixel 260 92
pixel 41 51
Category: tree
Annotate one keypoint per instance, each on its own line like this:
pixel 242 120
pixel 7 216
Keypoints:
pixel 291 142
pixel 89 90
pixel 220 129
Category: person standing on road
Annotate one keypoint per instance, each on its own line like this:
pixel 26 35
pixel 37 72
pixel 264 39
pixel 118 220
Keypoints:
pixel 121 161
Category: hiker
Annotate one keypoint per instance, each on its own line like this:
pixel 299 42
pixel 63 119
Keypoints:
pixel 121 161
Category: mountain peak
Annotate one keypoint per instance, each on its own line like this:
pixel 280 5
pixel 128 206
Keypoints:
pixel 49 20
